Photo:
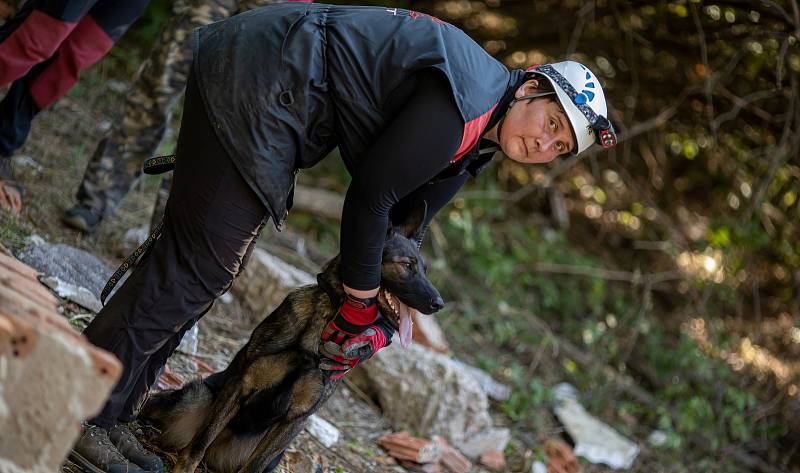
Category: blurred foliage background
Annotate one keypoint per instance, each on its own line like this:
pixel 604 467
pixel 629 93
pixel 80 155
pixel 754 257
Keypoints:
pixel 662 277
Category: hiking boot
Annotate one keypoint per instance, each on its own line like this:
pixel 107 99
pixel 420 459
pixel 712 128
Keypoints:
pixel 95 453
pixel 124 439
pixel 82 218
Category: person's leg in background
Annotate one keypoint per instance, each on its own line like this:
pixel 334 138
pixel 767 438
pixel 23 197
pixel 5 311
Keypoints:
pixel 17 110
pixel 116 164
pixel 84 32
pixel 34 34
pixel 211 222
pixel 90 40
pixel 28 41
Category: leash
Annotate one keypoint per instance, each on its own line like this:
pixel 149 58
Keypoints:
pixel 156 165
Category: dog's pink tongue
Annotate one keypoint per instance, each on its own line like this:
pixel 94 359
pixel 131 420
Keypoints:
pixel 406 325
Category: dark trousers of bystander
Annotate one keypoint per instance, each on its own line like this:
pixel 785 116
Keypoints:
pixel 43 49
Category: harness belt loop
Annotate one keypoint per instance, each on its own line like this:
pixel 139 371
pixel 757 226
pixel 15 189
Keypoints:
pixel 159 164
pixel 286 98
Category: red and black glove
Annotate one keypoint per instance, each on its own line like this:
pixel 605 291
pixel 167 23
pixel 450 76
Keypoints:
pixel 356 333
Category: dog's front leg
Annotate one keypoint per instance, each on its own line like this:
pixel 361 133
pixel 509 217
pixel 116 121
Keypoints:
pixel 272 444
pixel 222 410
pixel 308 393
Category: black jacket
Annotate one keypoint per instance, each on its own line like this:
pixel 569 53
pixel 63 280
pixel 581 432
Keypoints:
pixel 287 83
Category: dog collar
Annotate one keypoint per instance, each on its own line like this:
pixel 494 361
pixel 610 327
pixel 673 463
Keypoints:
pixel 361 303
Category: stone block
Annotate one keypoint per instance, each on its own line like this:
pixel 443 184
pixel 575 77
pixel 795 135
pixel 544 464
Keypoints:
pixel 428 393
pixel 51 377
pixel 266 281
pixel 428 333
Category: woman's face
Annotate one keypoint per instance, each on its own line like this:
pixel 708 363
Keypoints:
pixel 535 131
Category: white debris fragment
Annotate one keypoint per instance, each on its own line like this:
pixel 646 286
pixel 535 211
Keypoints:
pixel 495 390
pixel 79 295
pixel 21 161
pixel 493 439
pixel 190 341
pixel 322 430
pixel 538 467
pixel 563 391
pixel 226 298
pixel 35 240
pixel 70 269
pixel 135 236
pixel 657 438
pixel 594 440
pixel 117 86
pixel 104 125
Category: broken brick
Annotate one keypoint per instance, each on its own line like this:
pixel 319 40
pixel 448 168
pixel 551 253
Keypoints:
pixel 403 446
pixel 495 461
pixel 452 459
pixel 560 458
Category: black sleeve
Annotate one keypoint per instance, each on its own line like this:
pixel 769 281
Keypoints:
pixel 435 194
pixel 414 148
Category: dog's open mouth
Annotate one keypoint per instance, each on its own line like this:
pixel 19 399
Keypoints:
pixel 398 315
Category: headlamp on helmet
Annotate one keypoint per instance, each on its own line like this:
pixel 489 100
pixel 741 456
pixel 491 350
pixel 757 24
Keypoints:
pixel 604 133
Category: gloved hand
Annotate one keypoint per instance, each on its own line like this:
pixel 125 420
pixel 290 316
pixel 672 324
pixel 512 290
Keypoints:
pixel 354 335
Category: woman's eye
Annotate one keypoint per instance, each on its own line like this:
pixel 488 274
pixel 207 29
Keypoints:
pixel 553 124
pixel 560 147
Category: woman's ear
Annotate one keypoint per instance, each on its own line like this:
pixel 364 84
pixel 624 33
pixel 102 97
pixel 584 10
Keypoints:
pixel 527 88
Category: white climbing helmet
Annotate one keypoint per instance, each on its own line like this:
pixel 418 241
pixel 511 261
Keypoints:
pixel 581 96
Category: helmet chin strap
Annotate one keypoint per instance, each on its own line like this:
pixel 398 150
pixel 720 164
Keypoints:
pixel 528 97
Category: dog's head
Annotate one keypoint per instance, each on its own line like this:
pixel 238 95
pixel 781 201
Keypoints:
pixel 403 270
pixel 404 282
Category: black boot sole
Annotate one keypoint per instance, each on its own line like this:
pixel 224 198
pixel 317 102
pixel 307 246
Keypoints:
pixel 83 463
pixel 79 223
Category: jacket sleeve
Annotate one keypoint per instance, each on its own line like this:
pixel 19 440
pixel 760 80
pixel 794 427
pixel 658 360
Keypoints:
pixel 415 147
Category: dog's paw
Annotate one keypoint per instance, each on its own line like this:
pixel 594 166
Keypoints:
pixel 182 466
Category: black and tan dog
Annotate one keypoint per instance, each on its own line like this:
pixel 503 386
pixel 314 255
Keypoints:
pixel 242 418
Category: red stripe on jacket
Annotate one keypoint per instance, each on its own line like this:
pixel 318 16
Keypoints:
pixel 472 133
pixel 34 41
pixel 86 45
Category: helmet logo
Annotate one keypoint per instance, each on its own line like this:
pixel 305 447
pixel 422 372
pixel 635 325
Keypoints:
pixel 585 95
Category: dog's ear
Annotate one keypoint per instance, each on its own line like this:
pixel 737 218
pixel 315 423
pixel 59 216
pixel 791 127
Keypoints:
pixel 330 282
pixel 414 222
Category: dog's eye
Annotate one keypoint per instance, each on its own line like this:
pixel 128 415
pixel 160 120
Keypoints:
pixel 408 266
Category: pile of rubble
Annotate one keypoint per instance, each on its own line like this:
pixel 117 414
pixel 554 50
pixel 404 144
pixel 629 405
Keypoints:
pixel 422 389
pixel 425 390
